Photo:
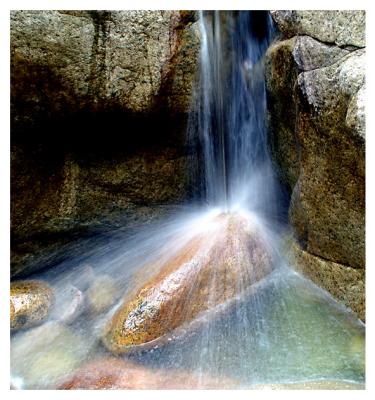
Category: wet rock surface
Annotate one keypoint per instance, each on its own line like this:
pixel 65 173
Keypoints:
pixel 70 305
pixel 285 330
pixel 315 89
pixel 102 293
pixel 281 73
pixel 208 270
pixel 346 284
pixel 30 303
pixel 101 127
pixel 42 357
pixel 312 385
pixel 113 373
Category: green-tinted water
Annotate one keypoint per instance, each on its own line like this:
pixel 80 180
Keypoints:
pixel 288 331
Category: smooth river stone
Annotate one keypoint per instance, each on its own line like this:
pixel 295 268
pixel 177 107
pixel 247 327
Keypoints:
pixel 211 268
pixel 102 293
pixel 113 373
pixel 30 303
pixel 44 356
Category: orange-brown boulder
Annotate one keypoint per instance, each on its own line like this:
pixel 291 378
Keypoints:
pixel 213 266
pixel 30 303
pixel 113 373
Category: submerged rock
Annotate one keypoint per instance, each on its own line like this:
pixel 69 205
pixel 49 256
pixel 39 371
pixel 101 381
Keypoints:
pixel 344 283
pixel 102 293
pixel 113 373
pixel 30 303
pixel 42 357
pixel 312 385
pixel 84 278
pixel 70 305
pixel 211 268
pixel 357 351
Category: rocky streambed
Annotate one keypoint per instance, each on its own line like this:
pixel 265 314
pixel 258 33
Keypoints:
pixel 179 321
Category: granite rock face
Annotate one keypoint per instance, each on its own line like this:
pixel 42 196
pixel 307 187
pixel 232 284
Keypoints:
pixel 281 73
pixel 99 103
pixel 102 59
pixel 330 189
pixel 310 54
pixel 356 114
pixel 316 107
pixel 341 27
pixel 73 193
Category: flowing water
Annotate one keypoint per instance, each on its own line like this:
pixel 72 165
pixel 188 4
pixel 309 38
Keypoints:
pixel 264 325
pixel 231 112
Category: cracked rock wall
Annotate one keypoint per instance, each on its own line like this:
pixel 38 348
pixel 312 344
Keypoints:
pixel 315 75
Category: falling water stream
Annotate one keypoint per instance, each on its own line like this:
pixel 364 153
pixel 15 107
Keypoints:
pixel 262 326
pixel 231 111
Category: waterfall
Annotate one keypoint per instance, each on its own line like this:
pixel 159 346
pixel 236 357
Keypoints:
pixel 199 298
pixel 230 105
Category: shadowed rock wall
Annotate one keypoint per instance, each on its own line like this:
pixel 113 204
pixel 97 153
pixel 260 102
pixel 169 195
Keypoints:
pixel 316 88
pixel 99 103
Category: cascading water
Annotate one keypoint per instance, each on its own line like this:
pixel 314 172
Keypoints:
pixel 231 111
pixel 204 298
